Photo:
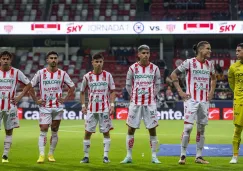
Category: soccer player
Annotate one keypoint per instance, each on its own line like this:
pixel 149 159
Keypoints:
pixel 51 81
pixel 100 85
pixel 9 77
pixel 143 84
pixel 235 78
pixel 199 73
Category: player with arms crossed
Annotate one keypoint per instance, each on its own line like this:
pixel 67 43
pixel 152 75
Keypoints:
pixel 235 78
pixel 51 81
pixel 9 77
pixel 199 72
pixel 100 85
pixel 143 84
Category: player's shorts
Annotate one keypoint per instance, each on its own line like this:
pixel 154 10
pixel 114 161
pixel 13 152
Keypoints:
pixel 47 115
pixel 138 112
pixel 196 111
pixel 104 120
pixel 238 114
pixel 10 118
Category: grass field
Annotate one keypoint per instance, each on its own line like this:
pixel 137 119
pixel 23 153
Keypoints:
pixel 24 152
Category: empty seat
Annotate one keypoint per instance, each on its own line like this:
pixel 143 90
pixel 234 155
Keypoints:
pixel 108 12
pixel 132 12
pixel 102 18
pixel 113 18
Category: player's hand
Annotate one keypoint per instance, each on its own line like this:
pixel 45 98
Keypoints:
pixel 40 102
pixel 112 110
pixel 84 110
pixel 210 96
pixel 61 100
pixel 184 96
pixel 15 100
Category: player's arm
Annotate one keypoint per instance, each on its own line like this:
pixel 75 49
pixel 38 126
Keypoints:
pixel 157 86
pixel 213 86
pixel 231 78
pixel 23 79
pixel 71 88
pixel 175 80
pixel 34 82
pixel 83 87
pixel 129 80
pixel 112 94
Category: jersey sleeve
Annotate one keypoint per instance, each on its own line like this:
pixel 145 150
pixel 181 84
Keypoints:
pixel 68 81
pixel 22 78
pixel 84 84
pixel 231 78
pixel 111 83
pixel 35 80
pixel 129 77
pixel 184 66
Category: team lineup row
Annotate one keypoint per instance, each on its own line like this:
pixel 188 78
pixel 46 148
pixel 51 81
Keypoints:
pixel 142 83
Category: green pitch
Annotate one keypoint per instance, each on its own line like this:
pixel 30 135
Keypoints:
pixel 24 152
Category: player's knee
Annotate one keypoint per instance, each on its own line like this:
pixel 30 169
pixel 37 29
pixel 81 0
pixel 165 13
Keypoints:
pixel 201 128
pixel 54 129
pixel 238 130
pixel 131 130
pixel 188 128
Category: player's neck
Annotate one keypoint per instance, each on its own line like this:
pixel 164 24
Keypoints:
pixel 97 71
pixel 143 63
pixel 52 69
pixel 200 59
pixel 5 68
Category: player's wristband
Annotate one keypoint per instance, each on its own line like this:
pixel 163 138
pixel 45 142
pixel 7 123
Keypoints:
pixel 112 104
pixel 83 105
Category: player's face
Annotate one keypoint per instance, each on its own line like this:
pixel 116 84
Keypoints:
pixel 5 61
pixel 144 55
pixel 52 60
pixel 239 53
pixel 206 51
pixel 98 63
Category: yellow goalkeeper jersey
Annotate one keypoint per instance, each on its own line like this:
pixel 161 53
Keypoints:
pixel 235 78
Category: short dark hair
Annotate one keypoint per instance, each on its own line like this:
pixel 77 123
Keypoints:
pixel 51 53
pixel 197 46
pixel 240 45
pixel 97 56
pixel 143 47
pixel 6 53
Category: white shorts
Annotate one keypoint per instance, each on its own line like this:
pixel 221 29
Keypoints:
pixel 138 112
pixel 47 115
pixel 104 120
pixel 196 111
pixel 10 119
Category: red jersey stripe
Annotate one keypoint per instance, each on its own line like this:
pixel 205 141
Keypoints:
pixel 136 96
pixel 57 104
pixel 195 91
pixel 189 78
pixel 3 101
pixel 9 101
pixel 143 97
pixel 103 103
pixel 201 93
pixel 149 98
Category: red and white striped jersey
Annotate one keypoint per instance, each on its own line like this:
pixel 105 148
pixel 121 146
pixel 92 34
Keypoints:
pixel 99 87
pixel 51 85
pixel 197 78
pixel 8 83
pixel 143 80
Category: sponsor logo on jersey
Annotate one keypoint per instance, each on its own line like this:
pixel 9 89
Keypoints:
pixel 6 81
pixel 144 76
pixel 201 72
pixel 97 84
pixel 51 82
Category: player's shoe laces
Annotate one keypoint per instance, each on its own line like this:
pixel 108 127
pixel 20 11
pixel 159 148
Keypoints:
pixel 4 159
pixel 201 160
pixel 234 160
pixel 41 159
pixel 51 158
pixel 85 160
pixel 106 160
pixel 182 160
pixel 126 160
pixel 155 160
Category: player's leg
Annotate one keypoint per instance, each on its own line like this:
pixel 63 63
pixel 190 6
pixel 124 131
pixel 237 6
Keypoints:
pixel 190 110
pixel 133 123
pixel 56 120
pixel 238 122
pixel 11 121
pixel 90 126
pixel 202 121
pixel 149 114
pixel 44 122
pixel 105 127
